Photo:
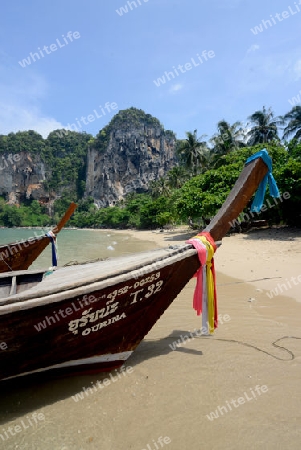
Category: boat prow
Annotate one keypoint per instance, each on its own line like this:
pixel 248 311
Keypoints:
pixel 93 316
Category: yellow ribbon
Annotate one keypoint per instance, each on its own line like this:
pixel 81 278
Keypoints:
pixel 209 281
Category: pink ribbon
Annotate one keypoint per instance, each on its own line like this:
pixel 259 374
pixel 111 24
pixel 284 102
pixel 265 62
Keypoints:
pixel 202 254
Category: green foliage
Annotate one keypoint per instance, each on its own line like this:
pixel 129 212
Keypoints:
pixel 204 194
pixel 292 120
pixel 289 180
pixel 133 117
pixel 177 195
pixel 63 152
pixel 192 152
pixel 22 141
pixel 65 156
pixel 138 211
pixel 24 216
pixel 264 127
pixel 228 138
pixel 294 149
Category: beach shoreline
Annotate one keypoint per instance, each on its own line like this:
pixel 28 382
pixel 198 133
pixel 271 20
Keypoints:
pixel 199 391
pixel 268 258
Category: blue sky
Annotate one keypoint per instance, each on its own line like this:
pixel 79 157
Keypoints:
pixel 117 56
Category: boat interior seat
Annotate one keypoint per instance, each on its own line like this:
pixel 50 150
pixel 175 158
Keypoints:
pixel 11 284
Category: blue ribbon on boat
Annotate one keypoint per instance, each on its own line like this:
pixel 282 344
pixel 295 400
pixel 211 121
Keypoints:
pixel 52 238
pixel 274 191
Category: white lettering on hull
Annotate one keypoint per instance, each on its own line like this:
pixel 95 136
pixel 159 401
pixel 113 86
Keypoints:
pixel 89 317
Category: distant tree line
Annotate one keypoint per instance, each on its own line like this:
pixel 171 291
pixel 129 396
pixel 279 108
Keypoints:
pixel 195 189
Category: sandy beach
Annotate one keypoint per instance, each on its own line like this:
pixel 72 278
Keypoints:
pixel 239 389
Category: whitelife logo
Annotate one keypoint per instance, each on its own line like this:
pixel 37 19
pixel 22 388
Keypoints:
pixel 280 288
pixel 88 119
pixel 295 100
pixel 101 384
pixel 160 441
pixel 10 159
pixel 24 424
pixel 240 401
pixel 269 23
pixel 246 216
pixel 33 57
pixel 124 9
pixel 182 68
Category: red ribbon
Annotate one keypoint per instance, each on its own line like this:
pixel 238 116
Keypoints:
pixel 198 293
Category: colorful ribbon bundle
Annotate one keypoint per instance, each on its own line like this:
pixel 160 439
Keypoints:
pixel 204 299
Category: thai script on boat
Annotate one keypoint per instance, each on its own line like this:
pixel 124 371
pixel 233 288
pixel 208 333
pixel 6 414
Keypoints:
pixel 111 306
pixel 56 316
pixel 88 317
pixel 140 283
pixel 104 324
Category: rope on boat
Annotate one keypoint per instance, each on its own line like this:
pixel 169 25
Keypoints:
pixel 6 264
pixel 76 263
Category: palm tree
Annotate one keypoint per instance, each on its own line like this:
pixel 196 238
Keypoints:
pixel 176 177
pixel 264 129
pixel 159 187
pixel 228 138
pixel 293 120
pixel 193 151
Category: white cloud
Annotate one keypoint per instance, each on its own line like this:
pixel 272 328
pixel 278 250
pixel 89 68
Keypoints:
pixel 253 48
pixel 16 117
pixel 257 71
pixel 176 87
pixel 297 70
pixel 21 94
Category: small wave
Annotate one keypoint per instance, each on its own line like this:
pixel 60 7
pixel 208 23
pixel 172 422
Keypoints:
pixel 110 247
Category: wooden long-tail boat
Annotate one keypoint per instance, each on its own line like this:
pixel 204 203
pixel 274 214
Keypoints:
pixel 19 256
pixel 91 317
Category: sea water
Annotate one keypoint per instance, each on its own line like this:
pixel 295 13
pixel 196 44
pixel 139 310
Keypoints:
pixel 75 245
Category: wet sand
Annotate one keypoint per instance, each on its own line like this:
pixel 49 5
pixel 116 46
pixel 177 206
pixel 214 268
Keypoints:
pixel 252 387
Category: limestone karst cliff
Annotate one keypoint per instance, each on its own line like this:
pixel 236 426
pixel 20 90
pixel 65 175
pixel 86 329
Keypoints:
pixel 22 176
pixel 131 151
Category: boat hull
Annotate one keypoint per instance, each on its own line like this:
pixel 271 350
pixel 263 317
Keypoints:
pixel 96 330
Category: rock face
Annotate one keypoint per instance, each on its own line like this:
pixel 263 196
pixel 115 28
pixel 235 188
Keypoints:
pixel 22 178
pixel 134 152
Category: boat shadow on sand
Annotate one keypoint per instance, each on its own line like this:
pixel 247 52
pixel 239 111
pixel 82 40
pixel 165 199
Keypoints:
pixel 23 395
